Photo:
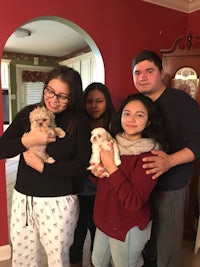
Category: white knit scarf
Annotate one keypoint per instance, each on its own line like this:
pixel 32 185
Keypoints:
pixel 130 147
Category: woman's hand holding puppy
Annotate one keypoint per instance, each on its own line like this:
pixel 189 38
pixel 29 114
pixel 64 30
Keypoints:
pixel 99 171
pixel 36 137
pixel 107 165
pixel 107 159
pixel 33 160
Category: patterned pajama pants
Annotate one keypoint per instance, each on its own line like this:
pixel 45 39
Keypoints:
pixel 49 221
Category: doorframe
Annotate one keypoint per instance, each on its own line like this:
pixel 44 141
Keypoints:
pixel 20 87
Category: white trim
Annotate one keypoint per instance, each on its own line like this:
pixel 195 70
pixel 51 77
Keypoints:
pixel 5 252
pixel 187 6
pixel 5 81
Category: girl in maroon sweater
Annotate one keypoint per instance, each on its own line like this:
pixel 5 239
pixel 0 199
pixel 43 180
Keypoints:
pixel 122 209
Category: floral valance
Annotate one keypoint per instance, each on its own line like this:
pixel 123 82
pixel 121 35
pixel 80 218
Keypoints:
pixel 34 76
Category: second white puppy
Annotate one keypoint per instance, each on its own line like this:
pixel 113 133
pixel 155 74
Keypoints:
pixel 102 138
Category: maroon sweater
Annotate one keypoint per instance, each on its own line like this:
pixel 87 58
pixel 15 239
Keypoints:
pixel 122 199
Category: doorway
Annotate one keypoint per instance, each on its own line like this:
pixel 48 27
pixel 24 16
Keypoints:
pixel 17 92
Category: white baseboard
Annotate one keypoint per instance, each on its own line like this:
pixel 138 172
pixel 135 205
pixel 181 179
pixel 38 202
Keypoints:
pixel 5 252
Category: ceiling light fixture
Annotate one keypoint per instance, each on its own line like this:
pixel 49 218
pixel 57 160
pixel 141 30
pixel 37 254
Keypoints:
pixel 21 33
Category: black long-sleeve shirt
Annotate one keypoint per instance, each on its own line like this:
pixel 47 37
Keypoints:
pixel 182 120
pixel 72 153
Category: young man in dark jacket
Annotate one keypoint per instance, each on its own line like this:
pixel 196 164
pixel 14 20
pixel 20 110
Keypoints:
pixel 182 118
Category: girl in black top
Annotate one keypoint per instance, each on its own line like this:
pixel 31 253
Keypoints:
pixel 101 113
pixel 45 205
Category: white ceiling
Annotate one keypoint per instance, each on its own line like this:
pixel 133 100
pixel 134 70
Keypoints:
pixel 48 37
pixel 186 6
pixel 52 38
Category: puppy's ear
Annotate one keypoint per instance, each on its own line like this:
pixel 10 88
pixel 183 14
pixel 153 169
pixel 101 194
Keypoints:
pixel 92 138
pixel 42 109
pixel 51 115
pixel 93 132
pixel 108 136
pixel 32 115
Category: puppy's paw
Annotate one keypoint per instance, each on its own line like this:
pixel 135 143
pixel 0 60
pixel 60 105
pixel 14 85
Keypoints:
pixel 118 162
pixel 50 160
pixel 91 167
pixel 60 133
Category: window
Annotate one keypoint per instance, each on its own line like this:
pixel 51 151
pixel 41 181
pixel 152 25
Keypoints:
pixel 33 92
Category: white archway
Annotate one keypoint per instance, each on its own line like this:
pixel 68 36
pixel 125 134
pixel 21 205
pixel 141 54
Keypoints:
pixel 88 39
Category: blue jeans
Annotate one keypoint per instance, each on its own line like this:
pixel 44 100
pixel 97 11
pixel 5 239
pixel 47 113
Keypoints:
pixel 123 254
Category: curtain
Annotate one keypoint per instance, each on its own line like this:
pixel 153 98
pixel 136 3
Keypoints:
pixel 34 76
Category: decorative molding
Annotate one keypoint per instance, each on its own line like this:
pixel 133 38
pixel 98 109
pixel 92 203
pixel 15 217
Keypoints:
pixel 28 57
pixel 187 6
pixel 189 45
pixel 75 53
pixel 43 59
pixel 5 252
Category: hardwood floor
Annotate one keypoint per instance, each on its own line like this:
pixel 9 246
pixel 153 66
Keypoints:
pixel 189 258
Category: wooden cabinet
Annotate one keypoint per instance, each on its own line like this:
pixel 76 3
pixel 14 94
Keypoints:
pixel 181 55
pixel 184 54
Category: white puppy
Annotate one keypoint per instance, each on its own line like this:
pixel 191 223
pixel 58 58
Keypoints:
pixel 101 138
pixel 44 120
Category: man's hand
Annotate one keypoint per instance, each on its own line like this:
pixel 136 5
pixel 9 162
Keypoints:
pixel 162 162
pixel 157 164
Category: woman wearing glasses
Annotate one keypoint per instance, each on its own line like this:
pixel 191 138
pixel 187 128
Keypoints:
pixel 45 205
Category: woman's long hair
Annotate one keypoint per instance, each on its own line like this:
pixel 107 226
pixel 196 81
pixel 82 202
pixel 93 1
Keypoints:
pixel 73 79
pixel 109 115
pixel 155 130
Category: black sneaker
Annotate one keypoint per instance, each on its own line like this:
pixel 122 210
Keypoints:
pixel 149 263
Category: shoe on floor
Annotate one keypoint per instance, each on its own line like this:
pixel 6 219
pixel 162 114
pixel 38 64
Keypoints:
pixel 79 264
pixel 149 263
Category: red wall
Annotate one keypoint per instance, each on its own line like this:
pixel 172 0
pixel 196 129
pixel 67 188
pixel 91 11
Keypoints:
pixel 119 28
pixel 193 23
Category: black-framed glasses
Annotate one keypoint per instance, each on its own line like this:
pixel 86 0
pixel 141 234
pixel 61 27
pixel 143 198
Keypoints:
pixel 62 98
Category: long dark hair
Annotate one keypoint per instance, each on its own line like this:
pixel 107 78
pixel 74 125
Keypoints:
pixel 155 130
pixel 109 115
pixel 73 79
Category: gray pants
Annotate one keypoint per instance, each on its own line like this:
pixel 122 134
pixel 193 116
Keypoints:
pixel 168 225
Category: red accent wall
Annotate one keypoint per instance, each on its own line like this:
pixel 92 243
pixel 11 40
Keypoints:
pixel 193 23
pixel 119 28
